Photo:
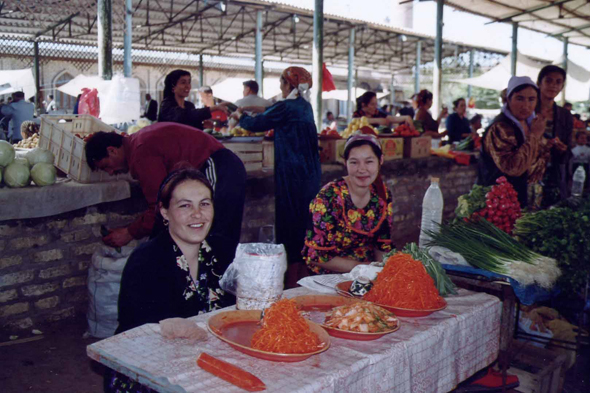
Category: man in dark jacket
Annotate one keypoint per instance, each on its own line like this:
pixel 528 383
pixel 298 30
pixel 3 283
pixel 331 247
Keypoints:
pixel 150 110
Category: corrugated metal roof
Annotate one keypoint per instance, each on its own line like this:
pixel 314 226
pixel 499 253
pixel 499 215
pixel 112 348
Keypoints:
pixel 559 18
pixel 205 27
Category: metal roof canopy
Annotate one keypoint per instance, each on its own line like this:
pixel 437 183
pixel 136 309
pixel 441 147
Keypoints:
pixel 558 18
pixel 225 28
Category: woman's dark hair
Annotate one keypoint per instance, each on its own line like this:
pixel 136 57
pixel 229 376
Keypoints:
pixel 548 69
pixel 176 178
pixel 423 97
pixel 361 142
pixel 457 102
pixel 364 99
pixel 171 81
pixel 521 88
pixel 96 146
pixel 475 119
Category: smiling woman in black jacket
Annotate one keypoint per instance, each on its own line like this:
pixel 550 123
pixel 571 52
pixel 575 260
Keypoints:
pixel 175 108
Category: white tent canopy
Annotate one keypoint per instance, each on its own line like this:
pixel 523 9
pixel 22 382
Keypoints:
pixel 18 80
pixel 231 89
pixel 578 78
pixel 342 95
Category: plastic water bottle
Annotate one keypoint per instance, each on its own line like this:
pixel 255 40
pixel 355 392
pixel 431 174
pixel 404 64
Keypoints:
pixel 578 183
pixel 432 210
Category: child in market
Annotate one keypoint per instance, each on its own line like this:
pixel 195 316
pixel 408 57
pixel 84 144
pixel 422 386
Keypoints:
pixel 581 154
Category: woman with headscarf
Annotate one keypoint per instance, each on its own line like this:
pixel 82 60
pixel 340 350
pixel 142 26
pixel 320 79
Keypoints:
pixel 297 164
pixel 175 108
pixel 514 145
pixel 560 125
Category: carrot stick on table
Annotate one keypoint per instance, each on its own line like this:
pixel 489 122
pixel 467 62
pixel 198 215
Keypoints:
pixel 230 373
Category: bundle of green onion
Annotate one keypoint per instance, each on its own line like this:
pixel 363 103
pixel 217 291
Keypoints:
pixel 487 247
pixel 443 283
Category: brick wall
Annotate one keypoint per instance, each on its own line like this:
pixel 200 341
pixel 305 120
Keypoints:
pixel 44 261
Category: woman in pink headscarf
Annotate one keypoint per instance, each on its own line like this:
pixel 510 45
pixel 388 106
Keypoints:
pixel 297 164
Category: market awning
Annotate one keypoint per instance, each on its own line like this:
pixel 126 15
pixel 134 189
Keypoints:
pixel 225 28
pixel 578 78
pixel 18 80
pixel 559 18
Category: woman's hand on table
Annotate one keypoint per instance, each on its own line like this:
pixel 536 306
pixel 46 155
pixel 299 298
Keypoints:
pixel 237 114
pixel 118 238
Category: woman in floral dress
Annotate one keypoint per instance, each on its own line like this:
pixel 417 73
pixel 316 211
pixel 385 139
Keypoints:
pixel 175 274
pixel 351 218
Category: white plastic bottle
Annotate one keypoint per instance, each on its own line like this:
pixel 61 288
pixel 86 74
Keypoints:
pixel 432 210
pixel 578 181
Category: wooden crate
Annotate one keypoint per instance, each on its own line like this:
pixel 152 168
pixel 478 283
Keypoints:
pixel 249 153
pixel 393 148
pixel 539 370
pixel 417 147
pixel 58 135
pixel 268 154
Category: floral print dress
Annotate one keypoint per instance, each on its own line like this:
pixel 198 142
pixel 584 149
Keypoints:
pixel 340 229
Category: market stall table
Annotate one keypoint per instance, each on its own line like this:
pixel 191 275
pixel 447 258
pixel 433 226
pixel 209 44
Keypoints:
pixel 63 196
pixel 429 354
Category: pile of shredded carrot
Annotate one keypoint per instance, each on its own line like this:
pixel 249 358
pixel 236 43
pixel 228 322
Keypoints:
pixel 404 283
pixel 284 330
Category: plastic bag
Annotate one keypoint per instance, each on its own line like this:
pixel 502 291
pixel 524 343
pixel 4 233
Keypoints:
pixel 104 282
pixel 256 275
pixel 89 103
pixel 120 99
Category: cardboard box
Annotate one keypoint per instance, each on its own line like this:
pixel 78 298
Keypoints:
pixel 417 147
pixel 327 150
pixel 393 148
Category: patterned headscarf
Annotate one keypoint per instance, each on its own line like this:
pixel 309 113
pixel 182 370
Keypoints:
pixel 300 79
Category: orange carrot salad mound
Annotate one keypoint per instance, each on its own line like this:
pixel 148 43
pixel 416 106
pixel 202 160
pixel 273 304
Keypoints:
pixel 404 283
pixel 284 330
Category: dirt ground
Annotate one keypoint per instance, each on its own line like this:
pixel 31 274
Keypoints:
pixel 57 363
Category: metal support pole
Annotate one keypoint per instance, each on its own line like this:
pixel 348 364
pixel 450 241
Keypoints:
pixel 201 74
pixel 258 50
pixel 392 90
pixel 471 64
pixel 349 103
pixel 514 54
pixel 37 77
pixel 127 43
pixel 418 62
pixel 105 39
pixel 564 66
pixel 317 61
pixel 261 84
pixel 437 72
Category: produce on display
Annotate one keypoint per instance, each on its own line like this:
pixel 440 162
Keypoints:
pixel 284 330
pixel 329 133
pixel 17 175
pixel 404 283
pixel 469 143
pixel 485 246
pixel 404 130
pixel 230 373
pixel 43 174
pixel 239 131
pixel 7 154
pixel 501 206
pixel 361 317
pixel 39 155
pixel 443 283
pixel 22 161
pixel 28 143
pixel 562 233
pixel 356 124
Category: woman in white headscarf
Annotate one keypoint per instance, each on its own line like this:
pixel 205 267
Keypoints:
pixel 297 164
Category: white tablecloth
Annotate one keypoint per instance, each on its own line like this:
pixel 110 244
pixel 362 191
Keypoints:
pixel 64 196
pixel 428 354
